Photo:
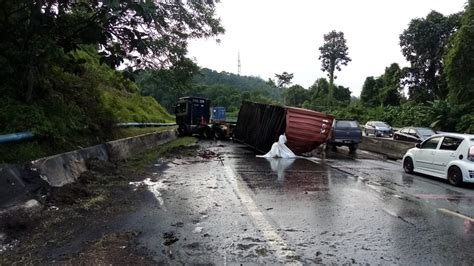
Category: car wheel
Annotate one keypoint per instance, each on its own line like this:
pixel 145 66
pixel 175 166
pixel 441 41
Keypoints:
pixel 408 165
pixel 455 176
pixel 395 137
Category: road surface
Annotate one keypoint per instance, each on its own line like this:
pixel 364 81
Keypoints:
pixel 229 207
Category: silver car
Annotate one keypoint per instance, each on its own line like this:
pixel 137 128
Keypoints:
pixel 378 129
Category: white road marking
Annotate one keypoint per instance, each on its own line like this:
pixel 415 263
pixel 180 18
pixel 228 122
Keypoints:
pixel 456 214
pixel 274 240
pixel 390 212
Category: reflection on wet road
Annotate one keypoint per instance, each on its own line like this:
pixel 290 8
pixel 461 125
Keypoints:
pixel 341 210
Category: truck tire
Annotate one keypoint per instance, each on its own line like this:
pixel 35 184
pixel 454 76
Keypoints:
pixel 219 134
pixel 182 131
pixel 207 133
pixel 353 148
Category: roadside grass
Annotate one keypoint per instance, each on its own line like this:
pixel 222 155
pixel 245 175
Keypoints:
pixel 142 161
pixel 94 202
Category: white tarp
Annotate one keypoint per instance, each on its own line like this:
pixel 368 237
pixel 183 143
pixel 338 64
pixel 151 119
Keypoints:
pixel 280 150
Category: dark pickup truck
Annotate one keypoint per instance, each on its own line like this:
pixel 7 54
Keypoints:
pixel 345 133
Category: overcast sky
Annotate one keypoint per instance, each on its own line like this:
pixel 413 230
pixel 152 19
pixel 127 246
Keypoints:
pixel 273 36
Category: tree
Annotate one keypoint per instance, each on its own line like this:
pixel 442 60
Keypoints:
pixel 369 93
pixel 167 85
pixel 342 95
pixel 334 54
pixel 459 66
pixel 38 34
pixel 384 90
pixel 423 44
pixel 295 96
pixel 318 95
pixel 389 90
pixel 284 79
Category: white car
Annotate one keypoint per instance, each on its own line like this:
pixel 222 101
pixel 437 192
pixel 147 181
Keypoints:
pixel 448 156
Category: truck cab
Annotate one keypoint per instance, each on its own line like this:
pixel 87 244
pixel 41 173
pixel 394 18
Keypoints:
pixel 192 115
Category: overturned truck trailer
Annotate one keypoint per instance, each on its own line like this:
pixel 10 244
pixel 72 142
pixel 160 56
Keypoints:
pixel 260 125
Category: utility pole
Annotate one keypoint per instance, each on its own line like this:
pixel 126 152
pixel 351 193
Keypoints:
pixel 238 64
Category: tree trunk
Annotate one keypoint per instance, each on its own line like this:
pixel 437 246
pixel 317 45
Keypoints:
pixel 331 82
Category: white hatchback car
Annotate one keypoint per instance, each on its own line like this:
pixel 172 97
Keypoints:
pixel 448 156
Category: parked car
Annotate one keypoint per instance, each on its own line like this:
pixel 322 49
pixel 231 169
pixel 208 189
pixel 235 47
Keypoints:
pixel 449 156
pixel 345 133
pixel 378 129
pixel 413 134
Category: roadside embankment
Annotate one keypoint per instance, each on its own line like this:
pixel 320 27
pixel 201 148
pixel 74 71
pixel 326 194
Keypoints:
pixel 20 182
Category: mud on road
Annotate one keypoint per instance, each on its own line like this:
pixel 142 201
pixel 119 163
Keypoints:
pixel 84 222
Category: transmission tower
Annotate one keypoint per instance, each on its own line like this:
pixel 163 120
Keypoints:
pixel 238 64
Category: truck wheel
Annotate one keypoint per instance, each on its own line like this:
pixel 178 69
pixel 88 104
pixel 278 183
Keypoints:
pixel 207 133
pixel 219 134
pixel 182 131
pixel 352 148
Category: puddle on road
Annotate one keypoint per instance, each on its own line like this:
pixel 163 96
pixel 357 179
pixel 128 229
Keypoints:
pixel 154 187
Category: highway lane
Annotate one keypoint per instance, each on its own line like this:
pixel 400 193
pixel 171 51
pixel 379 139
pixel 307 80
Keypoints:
pixel 232 207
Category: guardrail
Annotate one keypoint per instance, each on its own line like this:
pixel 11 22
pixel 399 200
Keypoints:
pixel 16 137
pixel 136 124
pixel 25 136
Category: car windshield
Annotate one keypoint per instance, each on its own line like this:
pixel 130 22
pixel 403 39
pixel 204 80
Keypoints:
pixel 346 124
pixel 380 124
pixel 426 132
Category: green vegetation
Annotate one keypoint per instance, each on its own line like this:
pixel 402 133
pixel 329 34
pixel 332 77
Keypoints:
pixel 440 50
pixel 223 89
pixel 459 65
pixel 131 107
pixel 58 66
pixel 423 44
pixel 139 162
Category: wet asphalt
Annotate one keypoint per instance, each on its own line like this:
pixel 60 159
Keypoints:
pixel 230 207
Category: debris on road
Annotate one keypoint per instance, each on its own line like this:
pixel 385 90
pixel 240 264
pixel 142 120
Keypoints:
pixel 207 154
pixel 170 238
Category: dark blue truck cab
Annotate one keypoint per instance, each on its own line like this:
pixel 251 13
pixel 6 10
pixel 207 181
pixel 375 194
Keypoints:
pixel 345 132
pixel 192 116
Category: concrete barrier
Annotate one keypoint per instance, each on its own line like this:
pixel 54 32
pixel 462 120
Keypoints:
pixel 65 168
pixel 20 182
pixel 392 149
pixel 123 148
